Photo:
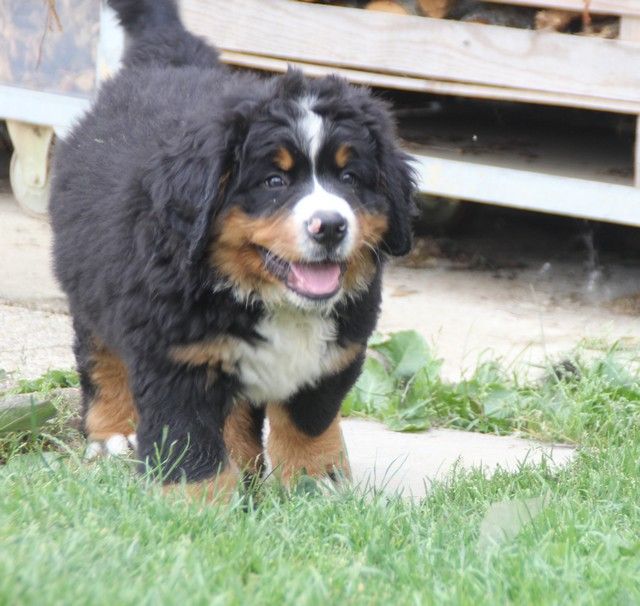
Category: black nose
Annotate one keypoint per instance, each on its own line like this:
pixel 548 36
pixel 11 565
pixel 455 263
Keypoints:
pixel 327 227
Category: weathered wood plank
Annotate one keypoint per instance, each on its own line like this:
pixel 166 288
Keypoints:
pixel 432 86
pixel 630 30
pixel 636 157
pixel 421 47
pixel 596 7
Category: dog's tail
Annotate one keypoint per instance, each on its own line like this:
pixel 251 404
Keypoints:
pixel 156 35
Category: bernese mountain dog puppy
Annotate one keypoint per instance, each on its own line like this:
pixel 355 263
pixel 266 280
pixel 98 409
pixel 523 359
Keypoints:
pixel 221 237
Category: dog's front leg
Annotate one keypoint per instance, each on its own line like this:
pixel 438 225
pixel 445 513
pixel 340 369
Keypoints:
pixel 180 430
pixel 305 437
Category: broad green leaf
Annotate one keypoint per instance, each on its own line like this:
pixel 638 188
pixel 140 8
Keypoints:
pixel 407 352
pixel 409 424
pixel 500 403
pixel 422 386
pixel 376 339
pixel 350 403
pixel 374 387
pixel 52 379
pixel 505 519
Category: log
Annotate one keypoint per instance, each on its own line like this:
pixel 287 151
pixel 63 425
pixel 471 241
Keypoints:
pixel 23 412
pixel 552 20
pixel 436 9
pixel 386 6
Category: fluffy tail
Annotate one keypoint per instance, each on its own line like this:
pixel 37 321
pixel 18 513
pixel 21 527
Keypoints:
pixel 156 35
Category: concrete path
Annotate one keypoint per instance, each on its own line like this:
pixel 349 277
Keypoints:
pixel 406 463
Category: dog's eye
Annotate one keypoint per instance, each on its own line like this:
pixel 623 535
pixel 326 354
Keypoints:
pixel 348 178
pixel 274 182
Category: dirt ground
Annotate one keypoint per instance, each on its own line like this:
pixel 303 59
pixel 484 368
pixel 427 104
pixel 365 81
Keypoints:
pixel 507 284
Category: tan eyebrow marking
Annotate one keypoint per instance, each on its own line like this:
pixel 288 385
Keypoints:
pixel 283 159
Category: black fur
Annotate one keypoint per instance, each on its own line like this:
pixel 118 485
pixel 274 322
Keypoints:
pixel 172 142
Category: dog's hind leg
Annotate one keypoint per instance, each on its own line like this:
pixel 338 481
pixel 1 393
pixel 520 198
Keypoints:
pixel 109 414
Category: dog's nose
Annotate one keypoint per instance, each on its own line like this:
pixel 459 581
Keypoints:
pixel 327 228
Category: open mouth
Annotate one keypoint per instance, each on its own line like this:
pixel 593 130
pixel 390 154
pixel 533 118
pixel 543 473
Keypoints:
pixel 317 281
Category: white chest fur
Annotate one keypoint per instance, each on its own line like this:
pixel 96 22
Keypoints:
pixel 298 348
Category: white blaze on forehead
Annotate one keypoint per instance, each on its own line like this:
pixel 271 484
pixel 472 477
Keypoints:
pixel 311 127
pixel 320 200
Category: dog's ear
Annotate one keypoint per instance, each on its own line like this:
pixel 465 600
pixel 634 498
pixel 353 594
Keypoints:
pixel 398 181
pixel 188 178
pixel 185 181
pixel 396 177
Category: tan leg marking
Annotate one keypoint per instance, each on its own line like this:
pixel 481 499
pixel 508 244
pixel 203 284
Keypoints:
pixel 243 446
pixel 112 410
pixel 218 489
pixel 293 452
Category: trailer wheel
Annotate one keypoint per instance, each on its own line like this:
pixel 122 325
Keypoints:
pixel 29 172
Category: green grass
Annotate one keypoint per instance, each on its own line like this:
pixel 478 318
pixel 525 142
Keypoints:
pixel 574 401
pixel 78 533
pixel 45 426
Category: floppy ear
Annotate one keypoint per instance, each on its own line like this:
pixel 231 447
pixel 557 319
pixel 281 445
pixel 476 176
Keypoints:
pixel 186 182
pixel 398 182
pixel 189 176
pixel 396 177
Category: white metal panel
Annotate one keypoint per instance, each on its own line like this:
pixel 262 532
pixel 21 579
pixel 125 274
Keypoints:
pixel 529 190
pixel 37 107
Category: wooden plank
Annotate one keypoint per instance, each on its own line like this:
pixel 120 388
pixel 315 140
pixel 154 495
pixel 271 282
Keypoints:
pixel 636 157
pixel 596 7
pixel 529 190
pixel 630 30
pixel 420 47
pixel 437 87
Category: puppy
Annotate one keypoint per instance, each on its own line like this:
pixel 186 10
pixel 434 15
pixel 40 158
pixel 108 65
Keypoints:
pixel 221 237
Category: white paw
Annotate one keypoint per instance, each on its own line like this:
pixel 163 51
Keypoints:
pixel 116 445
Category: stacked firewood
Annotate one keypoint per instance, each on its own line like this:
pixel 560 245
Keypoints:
pixel 479 11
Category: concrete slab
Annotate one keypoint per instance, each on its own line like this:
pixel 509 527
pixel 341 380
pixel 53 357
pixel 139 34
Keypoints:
pixel 33 341
pixel 26 276
pixel 407 463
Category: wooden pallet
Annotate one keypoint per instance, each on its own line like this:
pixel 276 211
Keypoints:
pixel 465 59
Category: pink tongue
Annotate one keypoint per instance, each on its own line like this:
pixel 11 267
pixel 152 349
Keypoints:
pixel 314 279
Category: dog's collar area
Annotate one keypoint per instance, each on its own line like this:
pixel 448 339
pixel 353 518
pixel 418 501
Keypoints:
pixel 318 280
